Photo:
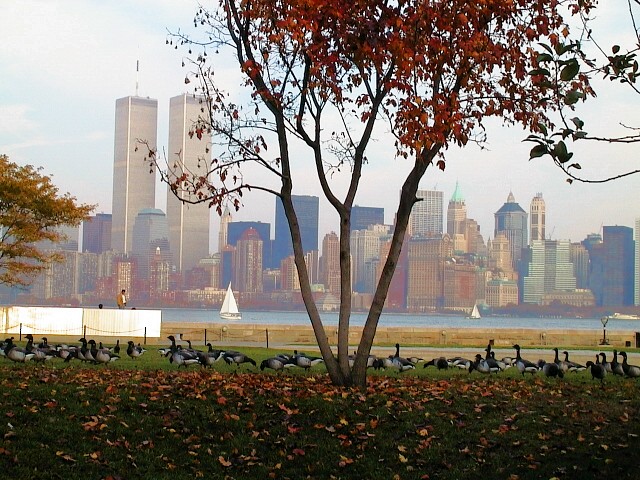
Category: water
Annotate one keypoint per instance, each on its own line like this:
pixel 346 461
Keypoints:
pixel 401 320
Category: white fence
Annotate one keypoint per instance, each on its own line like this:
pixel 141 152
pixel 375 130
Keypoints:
pixel 80 321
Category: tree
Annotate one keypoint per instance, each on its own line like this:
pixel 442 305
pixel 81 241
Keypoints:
pixel 31 212
pixel 565 73
pixel 331 76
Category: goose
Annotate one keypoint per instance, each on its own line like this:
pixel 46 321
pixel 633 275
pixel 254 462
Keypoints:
pixel 3 345
pixel 564 366
pixel 209 357
pixel 116 347
pixel 494 364
pixel 274 363
pixel 482 365
pixel 616 367
pixel 401 363
pixel 597 371
pixel 304 361
pixel 383 363
pixel 237 358
pixel 182 357
pixel 133 350
pixel 604 362
pixel 632 371
pixel 572 366
pixel 15 353
pixel 40 354
pixel 552 369
pixel 524 366
pixel 459 362
pixel 415 360
pixel 84 353
pixel 102 355
pixel 440 363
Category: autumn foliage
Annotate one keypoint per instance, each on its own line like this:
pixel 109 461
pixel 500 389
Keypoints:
pixel 130 424
pixel 31 214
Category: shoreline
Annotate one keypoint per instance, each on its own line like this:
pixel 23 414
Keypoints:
pixel 275 334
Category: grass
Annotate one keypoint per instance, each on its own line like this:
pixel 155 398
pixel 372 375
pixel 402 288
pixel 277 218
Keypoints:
pixel 147 419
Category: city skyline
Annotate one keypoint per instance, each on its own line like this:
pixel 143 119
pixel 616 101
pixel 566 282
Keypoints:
pixel 44 121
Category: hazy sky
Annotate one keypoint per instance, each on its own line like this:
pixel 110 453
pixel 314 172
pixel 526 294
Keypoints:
pixel 63 64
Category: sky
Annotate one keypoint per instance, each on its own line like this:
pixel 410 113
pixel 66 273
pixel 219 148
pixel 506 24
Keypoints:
pixel 63 64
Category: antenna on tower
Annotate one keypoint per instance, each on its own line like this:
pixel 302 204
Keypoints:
pixel 137 73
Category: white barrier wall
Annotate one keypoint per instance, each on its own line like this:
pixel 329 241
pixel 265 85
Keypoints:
pixel 74 321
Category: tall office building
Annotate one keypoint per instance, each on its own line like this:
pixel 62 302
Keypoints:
pixel 307 212
pixel 426 215
pixel 188 223
pixel 363 217
pixel 225 219
pixel 134 188
pixel 580 259
pixel 150 236
pixel 248 262
pixel 425 273
pixel 96 233
pixel 499 261
pixel 456 220
pixel 365 255
pixel 236 229
pixel 537 213
pixel 612 267
pixel 511 220
pixel 546 268
pixel 330 263
pixel 397 294
pixel 456 213
pixel 636 270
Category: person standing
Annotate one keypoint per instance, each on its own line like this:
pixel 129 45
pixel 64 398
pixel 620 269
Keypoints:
pixel 122 299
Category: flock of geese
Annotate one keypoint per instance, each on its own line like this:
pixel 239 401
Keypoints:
pixel 89 351
pixel 557 368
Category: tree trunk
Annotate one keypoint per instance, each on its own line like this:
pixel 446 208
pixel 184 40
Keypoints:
pixel 407 200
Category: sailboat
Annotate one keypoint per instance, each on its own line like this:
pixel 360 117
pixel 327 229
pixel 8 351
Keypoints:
pixel 229 310
pixel 475 313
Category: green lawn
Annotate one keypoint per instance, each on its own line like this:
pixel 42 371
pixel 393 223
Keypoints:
pixel 147 419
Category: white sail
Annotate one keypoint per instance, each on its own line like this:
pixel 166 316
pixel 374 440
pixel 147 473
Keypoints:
pixel 229 310
pixel 475 313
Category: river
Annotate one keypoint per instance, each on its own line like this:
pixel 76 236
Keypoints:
pixel 401 320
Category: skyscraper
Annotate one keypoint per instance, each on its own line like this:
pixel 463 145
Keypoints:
pixel 330 263
pixel 363 217
pixel 511 220
pixel 306 208
pixel 546 268
pixel 236 229
pixel 456 220
pixel 538 213
pixel 248 262
pixel 188 223
pixel 225 219
pixel 134 188
pixel 96 233
pixel 426 215
pixel 150 238
pixel 612 267
pixel 425 273
pixel 636 270
pixel 365 255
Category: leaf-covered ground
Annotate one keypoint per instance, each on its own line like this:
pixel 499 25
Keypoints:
pixel 115 423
